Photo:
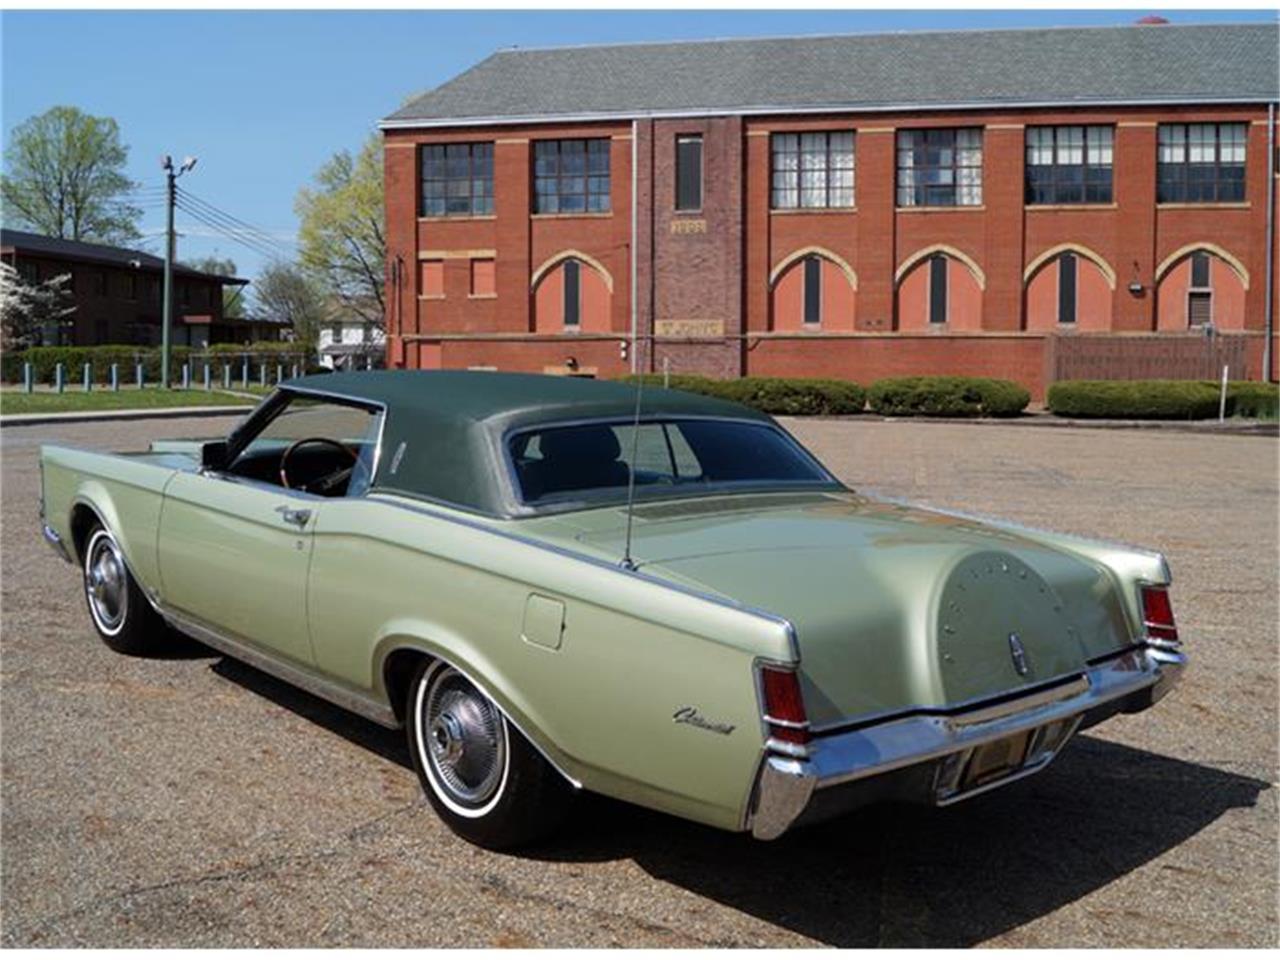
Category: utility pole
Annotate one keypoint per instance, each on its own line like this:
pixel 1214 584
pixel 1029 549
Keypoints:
pixel 170 244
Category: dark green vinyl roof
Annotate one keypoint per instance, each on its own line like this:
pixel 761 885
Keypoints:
pixel 451 423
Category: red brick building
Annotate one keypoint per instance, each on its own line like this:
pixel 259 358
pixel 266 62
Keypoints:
pixel 117 294
pixel 1030 204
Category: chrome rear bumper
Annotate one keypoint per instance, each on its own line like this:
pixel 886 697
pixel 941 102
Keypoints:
pixel 1129 682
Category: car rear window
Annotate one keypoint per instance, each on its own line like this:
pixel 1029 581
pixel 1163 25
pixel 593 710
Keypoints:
pixel 595 460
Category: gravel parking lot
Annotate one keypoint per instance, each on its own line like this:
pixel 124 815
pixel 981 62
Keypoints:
pixel 193 801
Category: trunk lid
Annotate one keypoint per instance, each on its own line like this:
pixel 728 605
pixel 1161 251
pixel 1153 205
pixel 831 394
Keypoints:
pixel 894 607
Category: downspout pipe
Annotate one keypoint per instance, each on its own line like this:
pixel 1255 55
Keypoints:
pixel 1270 298
pixel 634 253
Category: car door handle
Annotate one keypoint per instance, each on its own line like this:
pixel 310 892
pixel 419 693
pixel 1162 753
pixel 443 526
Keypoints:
pixel 298 518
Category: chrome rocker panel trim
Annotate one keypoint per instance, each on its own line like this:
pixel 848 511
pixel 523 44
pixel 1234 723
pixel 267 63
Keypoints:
pixel 334 693
pixel 786 785
pixel 294 675
pixel 51 537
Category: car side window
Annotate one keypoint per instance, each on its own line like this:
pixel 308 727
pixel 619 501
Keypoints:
pixel 314 445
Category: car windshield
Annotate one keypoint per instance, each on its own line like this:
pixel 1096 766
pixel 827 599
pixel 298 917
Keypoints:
pixel 594 461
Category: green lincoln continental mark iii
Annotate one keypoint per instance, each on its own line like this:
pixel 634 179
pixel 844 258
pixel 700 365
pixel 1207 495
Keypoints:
pixel 557 585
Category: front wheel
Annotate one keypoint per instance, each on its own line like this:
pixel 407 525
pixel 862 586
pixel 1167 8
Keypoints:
pixel 481 775
pixel 119 609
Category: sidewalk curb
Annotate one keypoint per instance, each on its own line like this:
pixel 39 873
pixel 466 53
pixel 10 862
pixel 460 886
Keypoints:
pixel 94 416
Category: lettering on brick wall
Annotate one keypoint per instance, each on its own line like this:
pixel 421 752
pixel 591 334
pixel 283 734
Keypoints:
pixel 688 328
pixel 684 226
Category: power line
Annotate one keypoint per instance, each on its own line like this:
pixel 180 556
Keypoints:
pixel 197 206
pixel 268 253
pixel 246 240
pixel 229 218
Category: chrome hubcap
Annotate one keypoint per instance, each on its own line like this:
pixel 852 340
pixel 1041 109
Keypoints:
pixel 465 738
pixel 106 583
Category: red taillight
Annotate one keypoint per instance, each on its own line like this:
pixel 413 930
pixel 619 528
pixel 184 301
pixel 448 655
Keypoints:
pixel 1157 614
pixel 783 705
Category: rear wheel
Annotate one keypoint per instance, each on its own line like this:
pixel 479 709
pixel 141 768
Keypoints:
pixel 481 775
pixel 118 608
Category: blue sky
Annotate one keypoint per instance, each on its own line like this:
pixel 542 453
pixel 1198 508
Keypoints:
pixel 263 98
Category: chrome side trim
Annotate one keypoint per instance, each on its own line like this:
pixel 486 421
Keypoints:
pixel 785 784
pixel 290 673
pixel 718 600
pixel 51 537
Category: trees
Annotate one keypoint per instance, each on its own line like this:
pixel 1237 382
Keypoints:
pixel 286 294
pixel 341 240
pixel 66 178
pixel 27 309
pixel 232 296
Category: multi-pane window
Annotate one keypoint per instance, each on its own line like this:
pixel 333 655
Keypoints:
pixel 689 172
pixel 812 170
pixel 940 167
pixel 457 179
pixel 571 176
pixel 1069 164
pixel 1200 162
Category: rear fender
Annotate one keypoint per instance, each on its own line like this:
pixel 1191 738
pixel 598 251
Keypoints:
pixel 440 643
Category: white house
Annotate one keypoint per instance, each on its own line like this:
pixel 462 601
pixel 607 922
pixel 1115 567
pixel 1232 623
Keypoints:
pixel 351 345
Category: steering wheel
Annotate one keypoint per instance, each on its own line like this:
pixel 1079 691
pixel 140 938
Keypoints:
pixel 328 481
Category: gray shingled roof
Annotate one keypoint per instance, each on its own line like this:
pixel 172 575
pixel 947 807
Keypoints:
pixel 39 245
pixel 1092 65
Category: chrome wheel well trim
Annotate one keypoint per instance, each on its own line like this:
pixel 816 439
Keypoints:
pixel 79 500
pixel 470 677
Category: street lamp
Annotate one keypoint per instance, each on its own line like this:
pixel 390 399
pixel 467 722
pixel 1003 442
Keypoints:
pixel 171 176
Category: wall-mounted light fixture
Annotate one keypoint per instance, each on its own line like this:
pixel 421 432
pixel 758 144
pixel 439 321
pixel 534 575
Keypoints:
pixel 1135 285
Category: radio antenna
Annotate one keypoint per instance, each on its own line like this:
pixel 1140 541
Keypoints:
pixel 627 562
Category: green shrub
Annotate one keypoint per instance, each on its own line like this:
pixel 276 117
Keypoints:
pixel 947 397
pixel 784 396
pixel 44 360
pixel 1134 399
pixel 1254 400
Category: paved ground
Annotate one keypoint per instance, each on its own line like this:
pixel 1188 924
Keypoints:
pixel 194 801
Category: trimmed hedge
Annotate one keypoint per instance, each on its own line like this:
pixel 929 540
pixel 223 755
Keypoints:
pixel 1254 400
pixel 785 396
pixel 45 359
pixel 1161 399
pixel 947 397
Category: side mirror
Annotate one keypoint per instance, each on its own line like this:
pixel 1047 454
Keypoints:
pixel 213 455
